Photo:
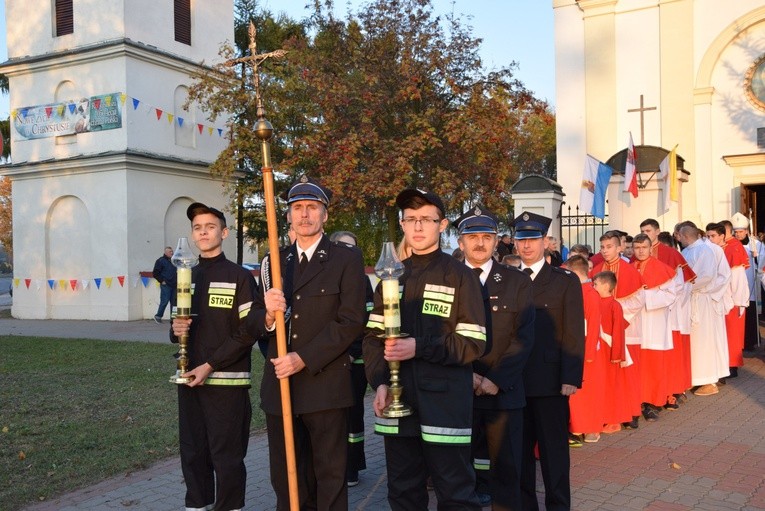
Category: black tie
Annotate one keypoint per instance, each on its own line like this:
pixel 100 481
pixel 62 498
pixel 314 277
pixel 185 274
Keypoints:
pixel 528 271
pixel 303 264
pixel 478 272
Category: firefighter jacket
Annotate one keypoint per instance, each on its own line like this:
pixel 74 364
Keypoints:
pixel 510 325
pixel 222 294
pixel 325 314
pixel 442 309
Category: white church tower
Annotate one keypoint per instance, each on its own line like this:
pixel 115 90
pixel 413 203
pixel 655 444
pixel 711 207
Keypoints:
pixel 105 158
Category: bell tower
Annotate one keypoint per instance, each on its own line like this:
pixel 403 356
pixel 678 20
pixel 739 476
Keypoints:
pixel 105 159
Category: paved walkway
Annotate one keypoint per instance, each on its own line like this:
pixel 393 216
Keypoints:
pixel 709 455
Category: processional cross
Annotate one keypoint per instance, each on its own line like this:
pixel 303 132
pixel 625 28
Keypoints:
pixel 264 131
pixel 255 59
pixel 642 110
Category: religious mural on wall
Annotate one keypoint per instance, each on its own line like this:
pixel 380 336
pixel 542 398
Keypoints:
pixel 96 113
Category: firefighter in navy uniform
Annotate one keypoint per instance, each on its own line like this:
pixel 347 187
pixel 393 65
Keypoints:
pixel 324 293
pixel 553 371
pixel 214 409
pixel 442 311
pixel 498 374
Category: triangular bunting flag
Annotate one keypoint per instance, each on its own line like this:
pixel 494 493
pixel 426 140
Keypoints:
pixel 135 103
pixel 73 283
pixel 180 122
pixel 60 110
pixel 48 111
pixel 62 284
pixel 72 107
pixel 97 280
pixel 170 118
pixel 135 282
pixel 14 112
pixel 159 113
pixel 16 283
pixel 85 283
pixel 121 279
pixel 145 281
pixel 38 284
pixel 51 284
pixel 24 112
pixel 97 103
pixel 108 282
pixel 200 128
pixel 220 132
pixel 123 97
pixel 108 100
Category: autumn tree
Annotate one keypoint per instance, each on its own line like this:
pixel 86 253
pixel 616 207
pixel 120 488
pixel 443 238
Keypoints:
pixel 387 98
pixel 6 217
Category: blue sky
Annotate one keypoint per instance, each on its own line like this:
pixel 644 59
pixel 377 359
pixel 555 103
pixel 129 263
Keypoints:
pixel 520 30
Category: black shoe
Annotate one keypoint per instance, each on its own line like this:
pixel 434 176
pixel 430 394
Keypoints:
pixel 722 381
pixel 649 415
pixel 158 320
pixel 681 398
pixel 671 406
pixel 484 499
pixel 633 424
pixel 734 372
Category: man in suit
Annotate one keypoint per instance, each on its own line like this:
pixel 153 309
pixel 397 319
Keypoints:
pixel 324 299
pixel 498 375
pixel 554 369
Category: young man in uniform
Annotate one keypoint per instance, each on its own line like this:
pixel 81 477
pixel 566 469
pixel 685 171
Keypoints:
pixel 498 374
pixel 442 313
pixel 324 294
pixel 554 369
pixel 214 409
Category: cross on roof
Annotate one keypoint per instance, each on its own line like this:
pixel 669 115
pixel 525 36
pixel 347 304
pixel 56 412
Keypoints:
pixel 642 109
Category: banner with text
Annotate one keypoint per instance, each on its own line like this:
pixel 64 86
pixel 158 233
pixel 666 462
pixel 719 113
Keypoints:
pixel 96 113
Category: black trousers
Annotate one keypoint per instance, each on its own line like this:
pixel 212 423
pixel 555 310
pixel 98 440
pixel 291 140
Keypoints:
pixel 320 452
pixel 356 456
pixel 545 421
pixel 214 430
pixel 410 460
pixel 498 439
pixel 751 324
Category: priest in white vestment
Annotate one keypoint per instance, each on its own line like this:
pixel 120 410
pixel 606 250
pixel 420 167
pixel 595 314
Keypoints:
pixel 710 301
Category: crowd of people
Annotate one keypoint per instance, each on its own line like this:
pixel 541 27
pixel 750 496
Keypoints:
pixel 513 350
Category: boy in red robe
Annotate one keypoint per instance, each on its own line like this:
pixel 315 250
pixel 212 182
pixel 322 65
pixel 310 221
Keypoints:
pixel 629 293
pixel 617 409
pixel 586 406
pixel 735 320
pixel 679 359
pixel 661 293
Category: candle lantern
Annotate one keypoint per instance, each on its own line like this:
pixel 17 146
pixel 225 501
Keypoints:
pixel 389 268
pixel 183 259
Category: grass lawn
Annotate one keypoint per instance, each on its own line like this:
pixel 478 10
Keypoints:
pixel 76 411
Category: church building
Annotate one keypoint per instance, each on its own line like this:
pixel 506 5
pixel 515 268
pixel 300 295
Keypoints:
pixel 688 74
pixel 105 158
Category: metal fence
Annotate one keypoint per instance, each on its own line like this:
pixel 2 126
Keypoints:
pixel 577 227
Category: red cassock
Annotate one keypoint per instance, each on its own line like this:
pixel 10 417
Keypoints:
pixel 628 282
pixel 654 386
pixel 617 408
pixel 587 404
pixel 679 359
pixel 735 323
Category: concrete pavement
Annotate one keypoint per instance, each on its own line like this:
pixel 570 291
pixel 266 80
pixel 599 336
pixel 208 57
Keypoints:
pixel 708 455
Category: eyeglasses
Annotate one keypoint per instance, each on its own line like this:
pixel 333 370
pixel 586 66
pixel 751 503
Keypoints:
pixel 421 221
